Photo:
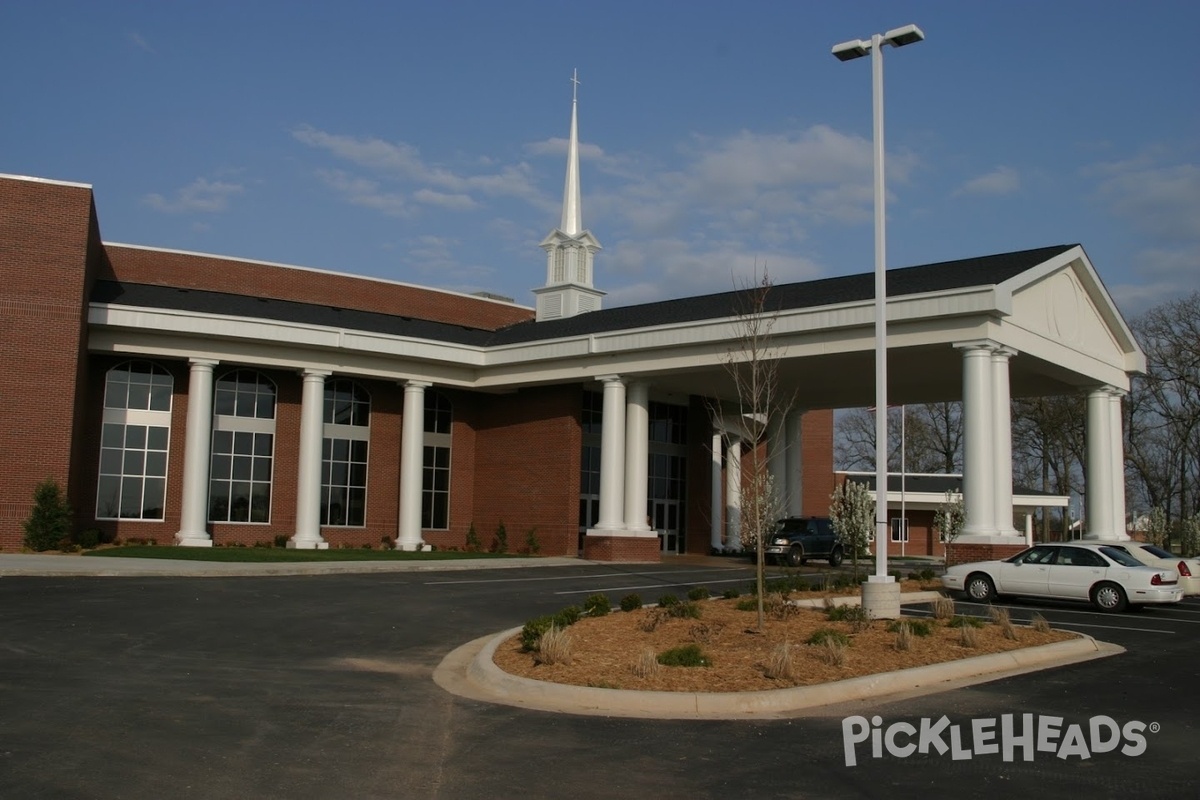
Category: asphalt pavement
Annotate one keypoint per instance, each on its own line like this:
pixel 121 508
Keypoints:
pixel 320 686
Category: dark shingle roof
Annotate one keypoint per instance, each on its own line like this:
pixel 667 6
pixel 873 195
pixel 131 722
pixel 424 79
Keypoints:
pixel 983 271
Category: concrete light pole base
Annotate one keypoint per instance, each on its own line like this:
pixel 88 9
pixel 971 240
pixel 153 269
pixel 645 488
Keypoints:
pixel 881 599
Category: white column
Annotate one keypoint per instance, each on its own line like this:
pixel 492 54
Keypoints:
pixel 308 472
pixel 794 468
pixel 1002 444
pixel 1117 432
pixel 412 448
pixel 777 460
pixel 1028 529
pixel 978 442
pixel 717 502
pixel 637 455
pixel 733 493
pixel 612 456
pixel 1098 480
pixel 193 522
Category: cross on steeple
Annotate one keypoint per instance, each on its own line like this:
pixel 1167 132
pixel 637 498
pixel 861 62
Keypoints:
pixel 575 88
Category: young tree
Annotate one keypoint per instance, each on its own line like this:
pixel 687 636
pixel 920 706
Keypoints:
pixel 949 519
pixel 852 511
pixel 50 519
pixel 752 365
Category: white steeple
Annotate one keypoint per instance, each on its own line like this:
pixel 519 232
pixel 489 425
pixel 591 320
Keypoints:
pixel 570 248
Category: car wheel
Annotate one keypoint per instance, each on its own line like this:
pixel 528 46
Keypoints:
pixel 835 558
pixel 795 556
pixel 979 587
pixel 1108 597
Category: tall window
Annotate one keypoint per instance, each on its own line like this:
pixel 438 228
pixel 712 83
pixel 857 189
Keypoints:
pixel 239 488
pixel 344 454
pixel 134 439
pixel 590 420
pixel 435 486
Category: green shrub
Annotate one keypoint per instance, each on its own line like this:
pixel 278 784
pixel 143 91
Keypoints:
pixel 688 655
pixel 631 602
pixel 688 610
pixel 597 605
pixel 568 616
pixel 928 574
pixel 531 542
pixel 88 539
pixel 473 545
pixel 918 627
pixel 823 635
pixel 730 594
pixel 500 543
pixel 49 521
pixel 281 540
pixel 668 600
pixel 913 576
pixel 748 603
pixel 698 593
pixel 531 634
pixel 855 615
pixel 965 622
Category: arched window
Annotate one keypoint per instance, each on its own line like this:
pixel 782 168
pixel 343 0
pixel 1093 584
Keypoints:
pixel 346 436
pixel 239 488
pixel 435 487
pixel 134 442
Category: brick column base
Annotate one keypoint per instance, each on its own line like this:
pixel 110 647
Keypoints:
pixel 622 548
pixel 965 553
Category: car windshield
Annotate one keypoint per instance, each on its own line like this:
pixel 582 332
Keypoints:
pixel 1034 555
pixel 1120 556
pixel 1157 552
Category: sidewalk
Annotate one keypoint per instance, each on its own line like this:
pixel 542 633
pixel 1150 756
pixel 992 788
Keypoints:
pixel 37 565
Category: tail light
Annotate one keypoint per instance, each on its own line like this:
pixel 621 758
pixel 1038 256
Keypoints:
pixel 1183 570
pixel 1157 580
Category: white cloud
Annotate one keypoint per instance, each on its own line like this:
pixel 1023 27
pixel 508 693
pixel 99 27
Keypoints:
pixel 366 193
pixel 1001 180
pixel 454 202
pixel 1161 199
pixel 140 42
pixel 201 195
pixel 556 146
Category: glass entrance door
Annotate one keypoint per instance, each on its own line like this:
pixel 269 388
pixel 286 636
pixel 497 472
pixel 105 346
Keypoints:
pixel 664 518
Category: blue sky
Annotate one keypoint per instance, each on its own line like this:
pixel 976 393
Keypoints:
pixel 425 142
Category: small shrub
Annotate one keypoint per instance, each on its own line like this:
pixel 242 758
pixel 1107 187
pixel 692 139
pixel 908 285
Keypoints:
pixel 647 665
pixel 968 636
pixel 554 647
pixel 652 619
pixel 731 594
pixel 473 545
pixel 568 616
pixel 532 633
pixel 88 539
pixel 780 664
pixel 748 604
pixel 965 622
pixel 917 627
pixel 687 655
pixel 49 520
pixel 856 616
pixel 943 608
pixel 913 575
pixel 1039 624
pixel 777 606
pixel 904 636
pixel 280 540
pixel 597 605
pixel 1008 629
pixel 668 600
pixel 831 651
pixel 531 542
pixel 821 635
pixel 698 593
pixel 702 632
pixel 688 610
pixel 631 602
pixel 998 615
pixel 895 575
pixel 928 575
pixel 387 543
pixel 500 543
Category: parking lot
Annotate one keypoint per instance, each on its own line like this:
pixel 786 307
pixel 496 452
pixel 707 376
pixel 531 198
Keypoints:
pixel 287 687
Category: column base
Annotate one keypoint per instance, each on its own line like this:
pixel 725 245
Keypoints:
pixel 623 546
pixel 412 547
pixel 308 544
pixel 881 599
pixel 193 540
pixel 966 549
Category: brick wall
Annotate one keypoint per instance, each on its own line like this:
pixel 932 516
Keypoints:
pixel 622 548
pixel 816 447
pixel 211 273
pixel 45 233
pixel 961 553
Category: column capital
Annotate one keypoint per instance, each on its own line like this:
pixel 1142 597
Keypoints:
pixel 315 373
pixel 610 379
pixel 203 362
pixel 977 344
pixel 415 384
pixel 1003 351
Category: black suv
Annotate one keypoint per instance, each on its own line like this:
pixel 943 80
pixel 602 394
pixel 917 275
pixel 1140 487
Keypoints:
pixel 797 539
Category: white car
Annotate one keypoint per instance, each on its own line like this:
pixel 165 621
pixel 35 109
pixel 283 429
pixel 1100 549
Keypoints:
pixel 1108 577
pixel 1154 556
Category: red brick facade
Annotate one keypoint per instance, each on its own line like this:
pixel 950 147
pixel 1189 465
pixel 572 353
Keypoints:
pixel 962 553
pixel 515 456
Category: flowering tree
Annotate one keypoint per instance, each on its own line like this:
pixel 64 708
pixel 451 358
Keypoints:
pixel 950 518
pixel 852 511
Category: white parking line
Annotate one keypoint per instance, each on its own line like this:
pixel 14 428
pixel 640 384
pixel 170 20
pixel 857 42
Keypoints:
pixel 583 577
pixel 647 586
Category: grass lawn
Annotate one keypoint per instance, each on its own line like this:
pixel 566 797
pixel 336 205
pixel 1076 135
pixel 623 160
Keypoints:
pixel 281 555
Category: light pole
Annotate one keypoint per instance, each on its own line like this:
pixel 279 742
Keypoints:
pixel 881 595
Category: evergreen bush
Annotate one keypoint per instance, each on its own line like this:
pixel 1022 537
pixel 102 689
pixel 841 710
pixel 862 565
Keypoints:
pixel 49 521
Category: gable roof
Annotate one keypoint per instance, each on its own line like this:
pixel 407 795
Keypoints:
pixel 947 275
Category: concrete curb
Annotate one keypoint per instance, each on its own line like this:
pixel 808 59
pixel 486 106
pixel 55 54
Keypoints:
pixel 470 671
pixel 33 565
